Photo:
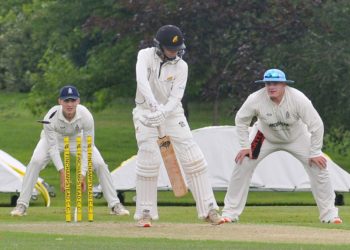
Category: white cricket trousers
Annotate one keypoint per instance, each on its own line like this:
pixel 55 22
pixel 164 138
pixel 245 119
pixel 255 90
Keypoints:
pixel 321 185
pixel 41 158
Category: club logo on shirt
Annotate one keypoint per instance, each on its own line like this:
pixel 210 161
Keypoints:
pixel 182 124
pixel 170 78
pixel 77 129
pixel 287 115
pixel 268 114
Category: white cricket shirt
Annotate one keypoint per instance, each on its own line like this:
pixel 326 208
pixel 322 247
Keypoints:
pixel 295 116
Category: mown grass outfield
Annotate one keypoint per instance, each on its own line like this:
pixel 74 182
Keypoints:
pixel 272 220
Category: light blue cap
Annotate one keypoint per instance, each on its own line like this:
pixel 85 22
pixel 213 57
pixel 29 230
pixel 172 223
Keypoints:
pixel 274 75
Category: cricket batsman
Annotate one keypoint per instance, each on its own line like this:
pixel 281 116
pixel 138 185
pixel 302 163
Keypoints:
pixel 286 120
pixel 71 119
pixel 161 76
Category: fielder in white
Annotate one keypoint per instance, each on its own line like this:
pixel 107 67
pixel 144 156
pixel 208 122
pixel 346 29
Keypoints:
pixel 161 81
pixel 67 119
pixel 286 120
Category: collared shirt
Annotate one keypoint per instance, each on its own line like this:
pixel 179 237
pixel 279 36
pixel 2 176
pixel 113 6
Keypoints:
pixel 158 82
pixel 59 127
pixel 281 123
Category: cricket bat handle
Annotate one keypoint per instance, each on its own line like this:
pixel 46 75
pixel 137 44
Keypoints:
pixel 161 131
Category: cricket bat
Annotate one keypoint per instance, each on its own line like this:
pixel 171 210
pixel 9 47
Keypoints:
pixel 171 164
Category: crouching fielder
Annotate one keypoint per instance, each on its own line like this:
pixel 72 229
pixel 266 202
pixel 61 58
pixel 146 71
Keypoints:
pixel 161 80
pixel 71 119
pixel 286 120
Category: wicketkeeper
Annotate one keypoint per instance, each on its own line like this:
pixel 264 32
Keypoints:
pixel 71 119
pixel 161 81
pixel 286 120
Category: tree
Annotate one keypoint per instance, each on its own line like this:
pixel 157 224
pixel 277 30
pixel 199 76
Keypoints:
pixel 225 40
pixel 319 62
pixel 93 44
pixel 18 55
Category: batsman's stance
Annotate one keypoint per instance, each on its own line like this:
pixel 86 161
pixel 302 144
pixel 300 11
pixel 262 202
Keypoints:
pixel 68 119
pixel 286 121
pixel 161 75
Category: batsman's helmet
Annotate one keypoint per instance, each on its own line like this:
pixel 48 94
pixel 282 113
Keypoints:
pixel 170 37
pixel 274 75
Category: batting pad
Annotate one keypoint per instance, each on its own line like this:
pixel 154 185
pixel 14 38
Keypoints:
pixel 146 196
pixel 148 160
pixel 202 192
pixel 195 168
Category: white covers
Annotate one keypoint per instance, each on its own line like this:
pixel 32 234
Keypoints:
pixel 279 171
pixel 11 177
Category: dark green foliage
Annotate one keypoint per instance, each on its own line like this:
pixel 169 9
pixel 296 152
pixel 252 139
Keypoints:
pixel 337 141
pixel 93 44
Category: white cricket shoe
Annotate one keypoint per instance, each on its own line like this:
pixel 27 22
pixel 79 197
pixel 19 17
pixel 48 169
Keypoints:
pixel 214 217
pixel 230 220
pixel 19 210
pixel 119 209
pixel 335 220
pixel 146 220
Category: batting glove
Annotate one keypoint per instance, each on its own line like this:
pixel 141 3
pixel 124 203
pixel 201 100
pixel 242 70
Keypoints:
pixel 145 121
pixel 156 118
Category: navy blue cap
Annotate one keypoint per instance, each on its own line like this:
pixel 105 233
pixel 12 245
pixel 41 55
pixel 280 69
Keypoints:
pixel 69 92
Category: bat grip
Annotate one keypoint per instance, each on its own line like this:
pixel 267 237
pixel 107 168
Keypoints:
pixel 161 131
